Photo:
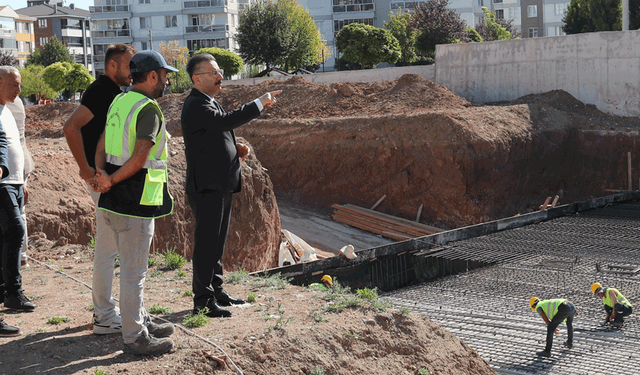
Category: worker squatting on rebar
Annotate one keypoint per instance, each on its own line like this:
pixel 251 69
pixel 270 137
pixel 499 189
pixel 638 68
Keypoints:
pixel 616 305
pixel 554 312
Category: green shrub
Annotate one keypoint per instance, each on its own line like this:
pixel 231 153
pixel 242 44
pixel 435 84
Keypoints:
pixel 172 260
pixel 158 309
pixel 197 320
pixel 58 320
pixel 251 297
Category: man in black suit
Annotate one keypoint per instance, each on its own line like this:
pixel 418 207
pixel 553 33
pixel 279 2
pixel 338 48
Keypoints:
pixel 213 175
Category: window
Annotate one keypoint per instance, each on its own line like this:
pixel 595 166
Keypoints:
pixel 169 1
pixel 497 1
pixel 500 13
pixel 27 46
pixel 144 46
pixel 561 9
pixel 170 21
pixel 532 11
pixel 339 24
pixel 42 23
pixel 533 32
pixel 44 40
pixel 514 13
pixel 555 31
pixel 144 1
pixel 145 22
pixel 196 44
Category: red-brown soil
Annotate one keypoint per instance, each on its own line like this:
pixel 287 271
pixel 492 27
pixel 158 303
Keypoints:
pixel 410 139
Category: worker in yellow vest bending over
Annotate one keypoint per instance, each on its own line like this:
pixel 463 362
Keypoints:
pixel 615 304
pixel 554 312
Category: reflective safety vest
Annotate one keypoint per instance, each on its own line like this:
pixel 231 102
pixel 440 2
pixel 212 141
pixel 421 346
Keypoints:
pixel 145 194
pixel 621 299
pixel 550 307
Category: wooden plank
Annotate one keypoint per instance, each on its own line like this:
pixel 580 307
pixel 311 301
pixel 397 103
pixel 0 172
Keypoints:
pixel 381 226
pixel 368 228
pixel 400 220
pixel 378 202
pixel 419 213
pixel 555 201
pixel 399 226
pixel 545 204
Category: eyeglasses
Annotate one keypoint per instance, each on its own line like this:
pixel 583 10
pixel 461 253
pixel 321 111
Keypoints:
pixel 219 72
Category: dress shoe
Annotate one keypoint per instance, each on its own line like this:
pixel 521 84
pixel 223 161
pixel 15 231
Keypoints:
pixel 213 310
pixel 224 299
pixel 544 353
pixel 8 331
pixel 18 302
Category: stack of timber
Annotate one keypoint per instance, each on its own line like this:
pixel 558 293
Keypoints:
pixel 385 225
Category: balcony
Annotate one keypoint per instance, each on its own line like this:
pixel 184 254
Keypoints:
pixel 109 9
pixel 353 8
pixel 114 33
pixel 207 29
pixel 204 4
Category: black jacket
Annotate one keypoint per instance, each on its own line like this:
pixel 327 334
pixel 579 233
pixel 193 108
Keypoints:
pixel 210 143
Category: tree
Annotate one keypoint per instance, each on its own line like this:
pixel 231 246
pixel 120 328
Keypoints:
pixel 367 45
pixel 584 16
pixel 279 34
pixel 174 54
pixel 52 52
pixel 78 78
pixel 33 83
pixel 227 60
pixel 55 74
pixel 473 35
pixel 398 25
pixel 491 30
pixel 7 58
pixel 436 23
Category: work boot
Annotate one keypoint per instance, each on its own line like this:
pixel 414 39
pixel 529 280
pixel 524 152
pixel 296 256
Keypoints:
pixel 18 302
pixel 544 353
pixel 160 330
pixel 148 345
pixel 107 328
pixel 568 344
pixel 8 331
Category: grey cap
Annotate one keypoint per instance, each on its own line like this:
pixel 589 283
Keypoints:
pixel 148 60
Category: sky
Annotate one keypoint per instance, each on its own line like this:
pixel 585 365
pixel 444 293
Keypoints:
pixel 17 4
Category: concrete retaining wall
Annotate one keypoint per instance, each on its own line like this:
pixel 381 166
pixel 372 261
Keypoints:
pixel 368 75
pixel 597 68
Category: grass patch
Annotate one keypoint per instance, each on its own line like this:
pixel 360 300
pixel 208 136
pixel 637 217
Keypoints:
pixel 197 320
pixel 152 261
pixel 317 317
pixel 99 372
pixel 339 298
pixel 252 297
pixel 240 276
pixel 317 371
pixel 405 311
pixel 58 320
pixel 172 260
pixel 181 273
pixel 92 240
pixel 159 309
pixel 188 293
pixel 423 371
pixel 275 281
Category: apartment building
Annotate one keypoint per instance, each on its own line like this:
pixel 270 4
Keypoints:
pixel 194 24
pixel 16 34
pixel 69 24
pixel 534 18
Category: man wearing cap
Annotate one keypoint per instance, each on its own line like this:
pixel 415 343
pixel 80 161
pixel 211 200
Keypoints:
pixel 131 169
pixel 554 312
pixel 616 305
pixel 213 175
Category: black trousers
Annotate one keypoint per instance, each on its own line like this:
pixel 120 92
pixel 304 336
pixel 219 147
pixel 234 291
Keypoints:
pixel 212 211
pixel 565 310
pixel 11 237
pixel 621 311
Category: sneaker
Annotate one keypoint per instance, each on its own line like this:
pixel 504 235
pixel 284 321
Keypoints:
pixel 148 345
pixel 161 330
pixel 107 328
pixel 224 299
pixel 19 302
pixel 568 344
pixel 544 353
pixel 8 331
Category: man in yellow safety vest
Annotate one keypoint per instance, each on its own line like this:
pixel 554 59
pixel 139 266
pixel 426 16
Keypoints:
pixel 616 305
pixel 554 312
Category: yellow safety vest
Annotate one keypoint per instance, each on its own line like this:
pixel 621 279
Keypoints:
pixel 550 307
pixel 621 299
pixel 120 141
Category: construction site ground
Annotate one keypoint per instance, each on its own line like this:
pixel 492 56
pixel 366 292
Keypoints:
pixel 409 139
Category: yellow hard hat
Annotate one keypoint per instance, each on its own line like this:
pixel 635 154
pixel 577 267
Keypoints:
pixel 328 279
pixel 532 303
pixel 595 287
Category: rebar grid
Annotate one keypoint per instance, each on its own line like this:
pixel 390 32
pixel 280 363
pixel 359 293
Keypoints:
pixel 488 307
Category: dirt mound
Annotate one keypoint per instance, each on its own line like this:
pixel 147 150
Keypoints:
pixel 46 121
pixel 302 99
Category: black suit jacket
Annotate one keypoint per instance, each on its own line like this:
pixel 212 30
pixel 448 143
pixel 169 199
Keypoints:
pixel 210 143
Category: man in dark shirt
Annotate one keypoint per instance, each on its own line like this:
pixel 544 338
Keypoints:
pixel 213 175
pixel 83 130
